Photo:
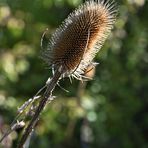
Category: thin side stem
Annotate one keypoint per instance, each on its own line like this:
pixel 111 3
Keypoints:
pixel 46 95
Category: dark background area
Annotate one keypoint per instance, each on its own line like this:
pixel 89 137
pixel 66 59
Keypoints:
pixel 111 111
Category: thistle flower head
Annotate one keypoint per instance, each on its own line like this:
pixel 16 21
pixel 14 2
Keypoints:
pixel 75 43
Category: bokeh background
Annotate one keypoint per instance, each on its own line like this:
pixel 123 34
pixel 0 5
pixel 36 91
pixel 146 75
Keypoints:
pixel 111 111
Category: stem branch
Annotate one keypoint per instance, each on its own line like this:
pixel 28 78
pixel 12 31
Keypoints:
pixel 48 93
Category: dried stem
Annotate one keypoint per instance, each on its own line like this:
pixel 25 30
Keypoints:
pixel 48 93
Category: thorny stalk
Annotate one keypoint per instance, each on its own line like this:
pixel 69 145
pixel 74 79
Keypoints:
pixel 19 120
pixel 48 93
pixel 15 126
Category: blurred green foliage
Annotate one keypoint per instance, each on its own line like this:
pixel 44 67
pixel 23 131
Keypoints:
pixel 111 112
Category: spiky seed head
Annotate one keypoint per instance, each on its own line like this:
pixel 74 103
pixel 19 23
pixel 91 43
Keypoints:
pixel 75 43
pixel 89 72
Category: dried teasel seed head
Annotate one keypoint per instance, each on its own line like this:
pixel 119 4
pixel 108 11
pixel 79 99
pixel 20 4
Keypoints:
pixel 75 43
pixel 89 72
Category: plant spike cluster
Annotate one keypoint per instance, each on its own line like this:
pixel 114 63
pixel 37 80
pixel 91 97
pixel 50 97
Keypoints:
pixel 75 43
